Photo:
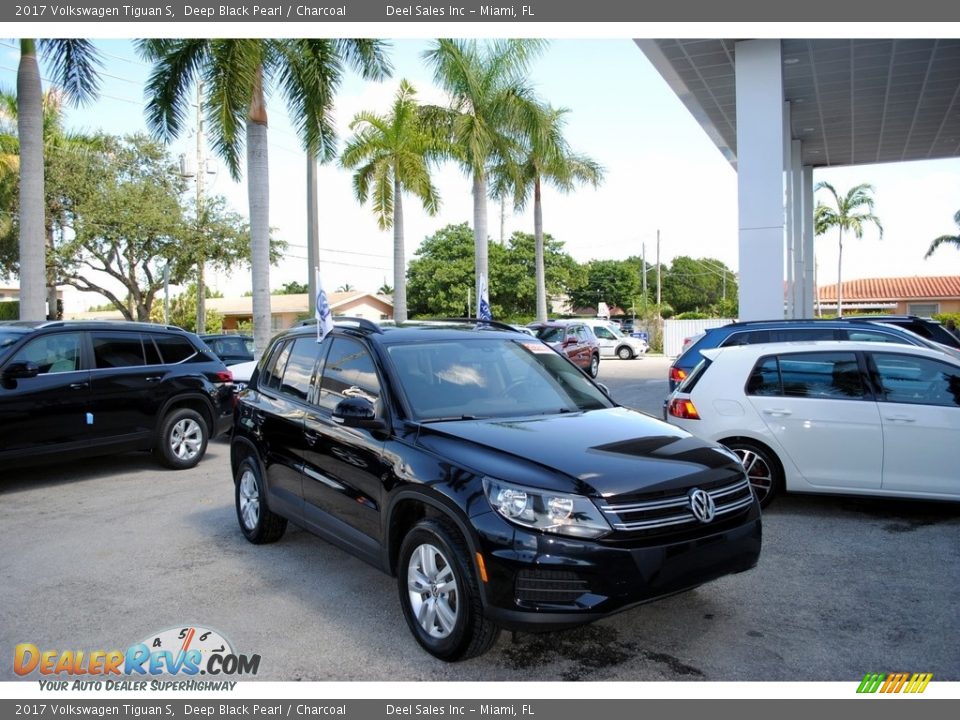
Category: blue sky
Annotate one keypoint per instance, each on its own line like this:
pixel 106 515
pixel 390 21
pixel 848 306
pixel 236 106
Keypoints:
pixel 662 172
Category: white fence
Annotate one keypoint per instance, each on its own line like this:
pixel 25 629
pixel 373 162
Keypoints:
pixel 676 331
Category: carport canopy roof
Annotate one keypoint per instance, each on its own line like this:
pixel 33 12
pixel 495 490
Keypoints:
pixel 852 102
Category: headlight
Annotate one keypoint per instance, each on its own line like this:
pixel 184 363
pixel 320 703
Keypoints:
pixel 572 515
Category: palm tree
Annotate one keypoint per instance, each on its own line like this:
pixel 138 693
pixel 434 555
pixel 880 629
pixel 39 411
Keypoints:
pixel 56 140
pixel 74 65
pixel 393 153
pixel 237 72
pixel 492 101
pixel 346 287
pixel 945 239
pixel 851 213
pixel 546 158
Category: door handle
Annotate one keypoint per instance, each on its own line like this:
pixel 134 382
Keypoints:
pixel 901 418
pixel 778 412
pixel 154 378
pixel 78 385
pixel 310 436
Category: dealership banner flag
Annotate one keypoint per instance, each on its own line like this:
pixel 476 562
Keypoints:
pixel 483 300
pixel 322 310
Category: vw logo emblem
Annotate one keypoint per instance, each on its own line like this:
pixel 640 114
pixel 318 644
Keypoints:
pixel 701 505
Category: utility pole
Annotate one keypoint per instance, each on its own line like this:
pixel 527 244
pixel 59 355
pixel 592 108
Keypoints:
pixel 643 255
pixel 201 249
pixel 313 242
pixel 503 217
pixel 658 271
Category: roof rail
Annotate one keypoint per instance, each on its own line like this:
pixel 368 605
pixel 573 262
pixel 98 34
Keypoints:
pixel 492 323
pixel 353 323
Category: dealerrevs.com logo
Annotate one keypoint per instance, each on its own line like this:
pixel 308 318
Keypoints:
pixel 183 651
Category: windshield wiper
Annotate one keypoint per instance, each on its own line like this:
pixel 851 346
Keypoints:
pixel 452 418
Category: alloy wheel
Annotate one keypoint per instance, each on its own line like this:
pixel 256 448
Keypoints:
pixel 758 472
pixel 432 586
pixel 249 500
pixel 186 438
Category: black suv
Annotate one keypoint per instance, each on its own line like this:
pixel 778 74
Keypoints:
pixel 492 477
pixel 87 388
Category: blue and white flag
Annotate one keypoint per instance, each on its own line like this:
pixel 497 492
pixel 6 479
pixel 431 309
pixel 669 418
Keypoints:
pixel 483 300
pixel 322 311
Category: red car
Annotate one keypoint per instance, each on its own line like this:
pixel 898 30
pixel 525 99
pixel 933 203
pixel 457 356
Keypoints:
pixel 575 340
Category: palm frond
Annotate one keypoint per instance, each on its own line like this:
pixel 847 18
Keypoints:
pixel 176 66
pixel 230 73
pixel 943 240
pixel 368 57
pixel 75 65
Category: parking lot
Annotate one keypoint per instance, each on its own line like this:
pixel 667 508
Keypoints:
pixel 99 554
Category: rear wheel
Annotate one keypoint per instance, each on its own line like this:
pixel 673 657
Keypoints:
pixel 594 365
pixel 625 353
pixel 439 593
pixel 183 438
pixel 762 467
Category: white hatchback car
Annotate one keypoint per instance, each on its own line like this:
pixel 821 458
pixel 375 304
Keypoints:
pixel 830 417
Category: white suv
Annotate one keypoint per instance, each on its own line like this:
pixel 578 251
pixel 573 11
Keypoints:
pixel 856 418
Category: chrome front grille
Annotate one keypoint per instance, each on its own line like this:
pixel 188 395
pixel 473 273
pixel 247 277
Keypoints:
pixel 674 511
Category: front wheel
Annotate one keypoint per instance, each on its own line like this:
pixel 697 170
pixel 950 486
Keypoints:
pixel 439 593
pixel 594 366
pixel 183 439
pixel 762 468
pixel 625 353
pixel 259 525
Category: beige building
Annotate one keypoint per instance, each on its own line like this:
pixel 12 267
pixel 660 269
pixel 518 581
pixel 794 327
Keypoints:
pixel 923 296
pixel 285 310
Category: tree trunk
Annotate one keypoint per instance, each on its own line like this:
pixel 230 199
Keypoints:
pixel 840 278
pixel 539 254
pixel 258 192
pixel 480 232
pixel 399 258
pixel 30 130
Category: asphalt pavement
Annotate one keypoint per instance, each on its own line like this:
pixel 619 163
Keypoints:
pixel 100 554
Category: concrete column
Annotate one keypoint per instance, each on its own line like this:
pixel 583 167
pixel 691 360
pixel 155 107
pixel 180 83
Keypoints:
pixel 791 241
pixel 760 189
pixel 799 258
pixel 809 257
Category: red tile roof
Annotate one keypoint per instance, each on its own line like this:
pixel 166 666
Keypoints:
pixel 902 288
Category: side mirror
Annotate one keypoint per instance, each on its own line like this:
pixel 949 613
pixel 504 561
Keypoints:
pixel 20 370
pixel 357 412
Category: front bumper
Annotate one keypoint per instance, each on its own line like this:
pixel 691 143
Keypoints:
pixel 541 582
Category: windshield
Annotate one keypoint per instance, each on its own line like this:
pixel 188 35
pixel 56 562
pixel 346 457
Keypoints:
pixel 490 378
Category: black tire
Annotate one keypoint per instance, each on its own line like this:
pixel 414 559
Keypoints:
pixel 594 368
pixel 183 439
pixel 625 353
pixel 258 524
pixel 469 633
pixel 762 466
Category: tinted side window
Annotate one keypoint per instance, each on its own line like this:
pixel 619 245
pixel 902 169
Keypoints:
pixel 349 372
pixel 873 336
pixel 603 333
pixel 299 370
pixel 52 353
pixel 917 380
pixel 117 349
pixel 273 370
pixel 801 334
pixel 173 348
pixel 765 378
pixel 821 375
pixel 753 337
